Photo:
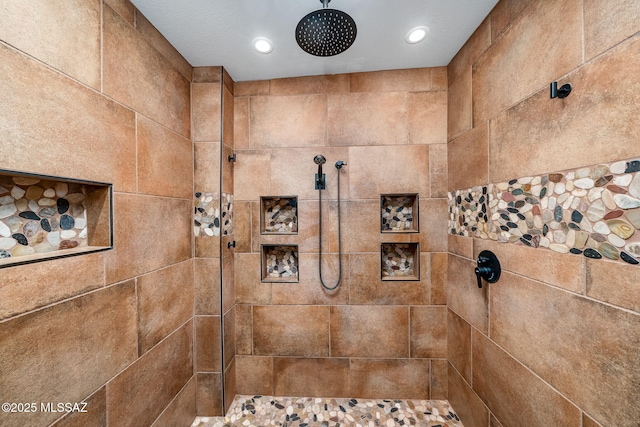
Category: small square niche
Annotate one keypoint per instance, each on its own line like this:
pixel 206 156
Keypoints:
pixel 400 261
pixel 279 215
pixel 279 264
pixel 399 213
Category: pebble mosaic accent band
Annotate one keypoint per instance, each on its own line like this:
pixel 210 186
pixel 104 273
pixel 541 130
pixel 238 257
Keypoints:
pixel 260 411
pixel 207 220
pixel 38 216
pixel 593 211
pixel 397 213
pixel 281 262
pixel 280 215
pixel 398 260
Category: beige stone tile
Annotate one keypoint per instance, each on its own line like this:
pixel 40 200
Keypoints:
pixel 244 329
pixel 614 283
pixel 439 387
pixel 228 81
pixel 588 355
pixel 228 282
pixel 459 345
pixel 252 88
pixel 465 402
pixel 207 286
pixel 367 119
pixel 369 331
pixel 438 167
pixel 209 395
pixel 428 332
pixel 288 121
pixel 95 415
pixel 207 111
pixel 228 121
pixel 463 295
pixel 460 245
pixel 607 25
pixel 475 46
pixel 530 50
pixel 585 117
pixel 207 247
pixel 249 289
pixel 242 226
pixel 308 226
pixel 427 117
pixel 139 247
pixel 241 123
pixel 291 330
pixel 137 75
pixel 336 83
pixel 26 287
pixel 405 80
pixel 588 422
pixel 514 393
pixel 438 263
pixel 434 219
pixel 165 301
pixel 254 375
pixel 367 287
pixel 504 14
pixel 182 410
pixel 439 78
pixel 460 105
pixel 165 161
pixel 361 227
pixel 326 377
pixel 468 157
pixel 251 175
pixel 140 392
pixel 42 111
pixel 206 173
pixel 229 384
pixel 207 74
pixel 386 378
pixel 42 360
pixel 371 167
pixel 309 290
pixel 208 353
pixel 64 35
pixel 124 8
pixel 229 337
pixel 493 422
pixel 159 43
pixel 564 271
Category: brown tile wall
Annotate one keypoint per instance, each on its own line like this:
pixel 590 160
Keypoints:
pixel 553 341
pixel 369 338
pixel 113 329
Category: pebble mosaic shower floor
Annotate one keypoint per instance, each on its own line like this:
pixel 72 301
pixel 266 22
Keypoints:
pixel 262 411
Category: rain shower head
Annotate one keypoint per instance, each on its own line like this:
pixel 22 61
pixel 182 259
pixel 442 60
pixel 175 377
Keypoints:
pixel 326 32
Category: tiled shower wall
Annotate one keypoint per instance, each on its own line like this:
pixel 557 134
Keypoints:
pixel 369 338
pixel 555 341
pixel 90 90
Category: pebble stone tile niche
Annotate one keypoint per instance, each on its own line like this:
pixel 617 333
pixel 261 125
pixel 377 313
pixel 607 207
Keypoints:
pixel 279 215
pixel 399 213
pixel 400 261
pixel 44 217
pixel 212 214
pixel 279 263
pixel 592 211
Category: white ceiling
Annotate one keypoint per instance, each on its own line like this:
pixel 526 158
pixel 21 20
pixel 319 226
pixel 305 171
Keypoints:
pixel 219 32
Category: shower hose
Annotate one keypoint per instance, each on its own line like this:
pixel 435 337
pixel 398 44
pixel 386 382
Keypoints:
pixel 329 288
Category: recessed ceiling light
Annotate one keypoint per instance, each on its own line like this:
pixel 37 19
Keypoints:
pixel 262 45
pixel 417 34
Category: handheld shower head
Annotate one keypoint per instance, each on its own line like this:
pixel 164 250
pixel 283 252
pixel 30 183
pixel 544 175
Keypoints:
pixel 320 160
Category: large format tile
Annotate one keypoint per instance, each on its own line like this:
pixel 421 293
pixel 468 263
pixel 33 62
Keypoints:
pixel 428 332
pixel 475 46
pixel 460 105
pixel 405 80
pixel 229 337
pixel 241 123
pixel 607 25
pixel 252 175
pixel 207 285
pixel 208 352
pixel 64 35
pixel 206 104
pixel 581 347
pixel 244 329
pixel 390 378
pixel 369 331
pixel 468 157
pixel 209 394
pixel 505 12
pixel 140 247
pixel 427 116
pixel 325 377
pixel 66 351
pixel 584 119
pixel 141 392
pixel 254 375
pixel 334 83
pixel 438 170
pixel 95 415
pixel 614 283
pixel 433 236
pixel 459 345
pixel 165 301
pixel 466 402
pixel 248 287
pixel 439 381
pixel 530 50
pixel 206 166
pixel 42 112
pixel 514 393
pixel 137 75
pixel 182 410
pixel 291 330
pixel 463 295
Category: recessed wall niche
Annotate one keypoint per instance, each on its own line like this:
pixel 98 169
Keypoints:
pixel 399 213
pixel 279 263
pixel 45 217
pixel 279 215
pixel 400 261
